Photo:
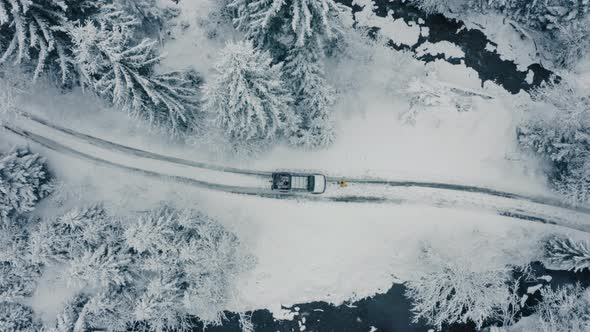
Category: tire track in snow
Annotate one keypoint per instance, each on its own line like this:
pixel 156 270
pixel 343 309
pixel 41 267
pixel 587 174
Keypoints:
pixel 332 179
pixel 140 153
pixel 512 211
pixel 267 193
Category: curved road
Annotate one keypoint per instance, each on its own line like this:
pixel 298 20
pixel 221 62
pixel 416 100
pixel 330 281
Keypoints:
pixel 253 182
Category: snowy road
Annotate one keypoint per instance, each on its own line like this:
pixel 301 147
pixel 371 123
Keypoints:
pixel 253 182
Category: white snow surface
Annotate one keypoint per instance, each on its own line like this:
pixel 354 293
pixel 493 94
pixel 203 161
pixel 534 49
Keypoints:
pixel 513 41
pixel 400 32
pixel 447 49
pixel 310 251
pixel 533 289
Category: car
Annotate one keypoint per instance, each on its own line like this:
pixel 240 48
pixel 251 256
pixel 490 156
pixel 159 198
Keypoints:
pixel 288 182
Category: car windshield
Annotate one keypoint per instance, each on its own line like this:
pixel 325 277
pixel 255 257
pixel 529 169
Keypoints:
pixel 310 182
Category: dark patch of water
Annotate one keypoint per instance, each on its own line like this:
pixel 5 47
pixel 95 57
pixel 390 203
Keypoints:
pixel 489 65
pixel 387 312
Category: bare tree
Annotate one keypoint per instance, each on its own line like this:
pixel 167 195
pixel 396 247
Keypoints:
pixel 564 309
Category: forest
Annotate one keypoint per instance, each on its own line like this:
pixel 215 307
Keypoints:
pixel 272 85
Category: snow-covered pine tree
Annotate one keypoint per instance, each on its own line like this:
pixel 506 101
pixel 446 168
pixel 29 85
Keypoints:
pixel 106 310
pixel 192 263
pixel 270 21
pixel 247 96
pixel 566 254
pixel 160 306
pixel 111 309
pixel 116 67
pixel 299 32
pixel 313 97
pixel 18 273
pixel 17 318
pixel 24 180
pixel 562 136
pixel 152 14
pixel 107 265
pixel 88 243
pixel 32 31
pixel 72 234
pixel 166 267
pixel 571 41
pixel 68 318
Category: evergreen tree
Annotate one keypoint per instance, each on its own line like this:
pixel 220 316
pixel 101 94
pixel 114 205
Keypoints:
pixel 100 267
pixel 17 273
pixel 68 318
pixel 566 254
pixel 270 21
pixel 30 30
pixel 299 32
pixel 24 180
pixel 116 67
pixel 247 96
pixel 152 272
pixel 152 14
pixel 313 98
pixel 571 42
pixel 191 264
pixel 97 44
pixel 71 235
pixel 160 306
pixel 562 136
pixel 16 317
pixel 106 310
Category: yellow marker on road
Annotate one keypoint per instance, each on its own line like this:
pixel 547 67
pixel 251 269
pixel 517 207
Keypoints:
pixel 343 184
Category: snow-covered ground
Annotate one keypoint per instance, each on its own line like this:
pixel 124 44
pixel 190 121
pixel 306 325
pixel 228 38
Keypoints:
pixel 312 250
pixel 513 41
pixel 476 147
pixel 334 252
pixel 541 208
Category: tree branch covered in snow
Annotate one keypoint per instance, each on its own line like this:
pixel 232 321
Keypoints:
pixel 120 69
pixel 458 292
pixel 566 254
pixel 562 136
pixel 564 309
pixel 267 21
pixel 313 98
pixel 30 30
pixel 17 317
